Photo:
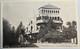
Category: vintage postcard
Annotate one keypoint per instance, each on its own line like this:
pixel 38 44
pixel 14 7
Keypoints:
pixel 39 24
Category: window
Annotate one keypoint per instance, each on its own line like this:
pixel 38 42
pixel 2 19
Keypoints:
pixel 50 17
pixel 38 18
pixel 52 11
pixel 31 22
pixel 58 11
pixel 58 18
pixel 46 11
pixel 31 28
pixel 55 18
pixel 46 17
pixel 42 11
pixel 43 17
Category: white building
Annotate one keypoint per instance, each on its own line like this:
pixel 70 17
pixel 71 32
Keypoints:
pixel 45 13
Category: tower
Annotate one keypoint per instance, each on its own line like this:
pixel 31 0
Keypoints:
pixel 49 12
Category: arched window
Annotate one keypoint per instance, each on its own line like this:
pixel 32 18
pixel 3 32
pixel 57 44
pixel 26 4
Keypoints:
pixel 58 18
pixel 54 11
pixel 48 11
pixel 58 11
pixel 44 11
pixel 50 17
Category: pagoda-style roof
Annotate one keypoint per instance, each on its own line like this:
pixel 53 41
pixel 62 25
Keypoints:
pixel 49 6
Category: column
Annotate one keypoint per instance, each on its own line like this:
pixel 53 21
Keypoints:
pixel 72 41
pixel 75 40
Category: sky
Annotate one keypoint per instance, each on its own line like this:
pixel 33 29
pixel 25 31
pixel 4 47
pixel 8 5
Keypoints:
pixel 15 12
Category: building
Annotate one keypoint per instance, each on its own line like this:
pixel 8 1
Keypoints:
pixel 45 13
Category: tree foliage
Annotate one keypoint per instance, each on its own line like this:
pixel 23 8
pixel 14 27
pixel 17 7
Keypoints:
pixel 8 33
pixel 49 32
pixel 71 31
pixel 20 30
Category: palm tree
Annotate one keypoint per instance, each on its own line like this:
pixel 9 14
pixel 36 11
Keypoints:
pixel 72 32
pixel 74 23
pixel 69 23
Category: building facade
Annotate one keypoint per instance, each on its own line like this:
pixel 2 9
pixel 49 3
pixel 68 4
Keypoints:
pixel 45 13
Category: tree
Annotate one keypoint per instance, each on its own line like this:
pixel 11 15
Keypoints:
pixel 55 36
pixel 71 31
pixel 74 28
pixel 20 31
pixel 13 35
pixel 13 29
pixel 49 32
pixel 74 24
pixel 69 23
pixel 50 23
pixel 6 32
pixel 23 30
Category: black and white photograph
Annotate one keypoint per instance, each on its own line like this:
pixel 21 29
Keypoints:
pixel 39 24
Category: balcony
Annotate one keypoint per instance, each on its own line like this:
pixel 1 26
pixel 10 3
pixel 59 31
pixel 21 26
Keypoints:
pixel 57 21
pixel 40 22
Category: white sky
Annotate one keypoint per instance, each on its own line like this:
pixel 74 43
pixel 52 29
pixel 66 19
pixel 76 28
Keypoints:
pixel 15 12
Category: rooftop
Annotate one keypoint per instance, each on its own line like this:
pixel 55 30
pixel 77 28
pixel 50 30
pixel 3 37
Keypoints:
pixel 49 6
